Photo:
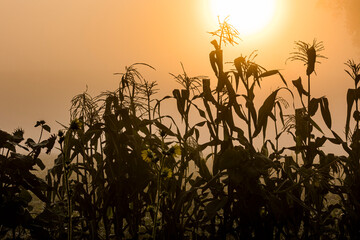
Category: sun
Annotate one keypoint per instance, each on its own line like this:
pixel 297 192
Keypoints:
pixel 247 16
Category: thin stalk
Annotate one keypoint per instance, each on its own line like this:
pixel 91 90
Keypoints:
pixel 249 118
pixel 77 164
pixel 132 96
pixel 249 127
pixel 149 113
pixel 276 134
pixel 158 189
pixel 184 167
pixel 41 133
pixel 217 133
pixel 66 183
pixel 306 200
pixel 83 116
pixel 357 109
pixel 186 118
pixel 308 105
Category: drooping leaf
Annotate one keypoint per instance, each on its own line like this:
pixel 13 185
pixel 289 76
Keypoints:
pixel 212 57
pixel 313 105
pixel 204 170
pixel 207 91
pixel 352 96
pixel 297 83
pixel 357 79
pixel 265 126
pixel 214 206
pixel 273 72
pixel 239 111
pixel 319 141
pixel 167 130
pixel 46 128
pixel 325 112
pixel 252 71
pixel 313 123
pixel 237 80
pixel 288 165
pixel 202 113
pixel 230 90
pixel 221 82
pixel 281 113
pixel 250 105
pixel 265 111
pixel 212 143
pixel 238 62
pixel 211 130
pixel 40 163
pixel 180 102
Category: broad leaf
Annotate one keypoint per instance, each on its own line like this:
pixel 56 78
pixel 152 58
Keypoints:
pixel 352 96
pixel 325 112
pixel 273 72
pixel 314 105
pixel 265 111
pixel 297 83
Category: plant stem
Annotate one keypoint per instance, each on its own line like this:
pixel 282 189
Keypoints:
pixel 217 135
pixel 249 116
pixel 66 183
pixel 149 114
pixel 308 105
pixel 276 134
pixel 357 109
pixel 158 191
pixel 41 132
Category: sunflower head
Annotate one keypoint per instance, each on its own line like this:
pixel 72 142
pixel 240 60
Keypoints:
pixel 148 155
pixel 175 150
pixel 166 173
pixel 75 124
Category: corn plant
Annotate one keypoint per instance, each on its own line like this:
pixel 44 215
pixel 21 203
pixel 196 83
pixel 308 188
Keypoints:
pixel 128 170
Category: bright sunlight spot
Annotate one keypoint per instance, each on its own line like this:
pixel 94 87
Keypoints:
pixel 247 16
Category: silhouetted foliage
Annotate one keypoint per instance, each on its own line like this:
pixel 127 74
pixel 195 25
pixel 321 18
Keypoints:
pixel 126 170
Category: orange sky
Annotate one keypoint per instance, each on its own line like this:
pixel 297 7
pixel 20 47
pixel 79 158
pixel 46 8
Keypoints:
pixel 50 50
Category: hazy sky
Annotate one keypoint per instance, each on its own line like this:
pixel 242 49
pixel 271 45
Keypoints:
pixel 50 50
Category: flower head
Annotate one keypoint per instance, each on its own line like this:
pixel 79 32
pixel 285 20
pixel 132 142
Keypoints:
pixel 148 155
pixel 75 124
pixel 308 53
pixel 61 136
pixel 355 71
pixel 226 32
pixel 38 123
pixel 175 151
pixel 166 173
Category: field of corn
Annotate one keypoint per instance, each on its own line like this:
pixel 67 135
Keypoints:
pixel 126 170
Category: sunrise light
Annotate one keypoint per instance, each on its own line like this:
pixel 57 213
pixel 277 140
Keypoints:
pixel 247 16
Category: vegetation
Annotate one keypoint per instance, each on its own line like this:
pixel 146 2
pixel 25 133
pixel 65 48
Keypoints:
pixel 126 170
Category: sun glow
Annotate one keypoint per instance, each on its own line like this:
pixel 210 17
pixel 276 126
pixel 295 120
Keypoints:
pixel 247 16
